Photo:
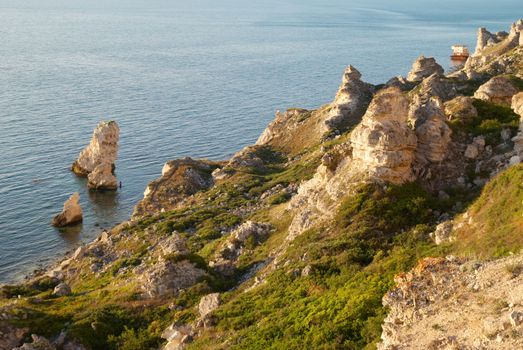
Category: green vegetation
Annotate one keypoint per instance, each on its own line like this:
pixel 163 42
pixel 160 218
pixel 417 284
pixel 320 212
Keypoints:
pixel 490 121
pixel 377 233
pixel 497 218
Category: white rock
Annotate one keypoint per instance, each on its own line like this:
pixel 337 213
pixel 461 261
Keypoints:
pixel 62 290
pixel 103 148
pixel 71 213
pixel 208 304
pixel 515 160
pixel 102 178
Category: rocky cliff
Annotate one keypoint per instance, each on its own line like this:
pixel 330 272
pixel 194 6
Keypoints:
pixel 389 217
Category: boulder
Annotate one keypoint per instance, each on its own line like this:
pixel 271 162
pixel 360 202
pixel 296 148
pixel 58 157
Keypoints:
pixel 180 179
pixel 71 213
pixel 517 104
pixel 103 148
pixel 383 145
pixel 461 108
pixel 62 290
pixel 352 99
pixel 208 304
pixel 102 178
pixel 177 337
pixel 475 148
pixel 167 278
pixel 498 90
pixel 424 67
pixel 442 234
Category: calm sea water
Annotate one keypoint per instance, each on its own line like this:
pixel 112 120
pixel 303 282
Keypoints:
pixel 182 78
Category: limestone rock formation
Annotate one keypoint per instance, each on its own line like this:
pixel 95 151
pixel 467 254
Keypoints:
pixel 517 104
pixel 177 336
pixel 102 178
pixel 103 148
pixel 247 158
pixel 230 251
pixel 208 304
pixel 424 67
pixel 71 213
pixel 432 132
pixel 39 343
pixel 454 304
pixel 461 108
pixel 443 233
pixel 166 278
pixel 499 90
pixel 180 179
pixel 62 289
pixel 486 38
pixel 352 99
pixel 383 145
pixel 11 337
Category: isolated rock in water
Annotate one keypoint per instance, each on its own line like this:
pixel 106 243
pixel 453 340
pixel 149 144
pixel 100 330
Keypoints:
pixel 352 99
pixel 71 213
pixel 499 90
pixel 383 144
pixel 103 148
pixel 432 131
pixel 180 179
pixel 102 178
pixel 517 104
pixel 461 108
pixel 424 67
pixel 208 304
pixel 62 290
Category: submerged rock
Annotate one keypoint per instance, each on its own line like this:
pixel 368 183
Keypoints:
pixel 424 67
pixel 103 148
pixel 102 178
pixel 71 213
pixel 499 90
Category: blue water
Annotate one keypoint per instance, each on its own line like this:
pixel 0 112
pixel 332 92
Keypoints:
pixel 182 78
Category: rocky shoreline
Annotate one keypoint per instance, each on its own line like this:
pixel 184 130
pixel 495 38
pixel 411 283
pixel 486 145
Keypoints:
pixel 307 209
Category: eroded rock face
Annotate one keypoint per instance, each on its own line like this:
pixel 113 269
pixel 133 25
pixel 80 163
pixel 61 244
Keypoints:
pixel 167 278
pixel 432 132
pixel 499 90
pixel 180 179
pixel 230 251
pixel 383 145
pixel 103 148
pixel 39 343
pixel 71 213
pixel 10 337
pixel 517 104
pixel 461 108
pixel 424 67
pixel 486 38
pixel 102 178
pixel 448 303
pixel 352 99
pixel 62 290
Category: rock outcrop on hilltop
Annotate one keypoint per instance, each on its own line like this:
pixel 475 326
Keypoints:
pixel 456 304
pixel 424 67
pixel 103 148
pixel 297 128
pixel 352 99
pixel 497 90
pixel 71 213
pixel 180 179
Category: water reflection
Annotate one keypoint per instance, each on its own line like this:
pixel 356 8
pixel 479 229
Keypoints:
pixel 71 234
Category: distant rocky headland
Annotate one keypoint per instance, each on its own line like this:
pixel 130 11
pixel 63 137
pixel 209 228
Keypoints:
pixel 389 218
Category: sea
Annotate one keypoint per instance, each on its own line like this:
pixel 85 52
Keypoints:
pixel 198 78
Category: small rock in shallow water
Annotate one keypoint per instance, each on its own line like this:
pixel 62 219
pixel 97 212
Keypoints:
pixel 71 213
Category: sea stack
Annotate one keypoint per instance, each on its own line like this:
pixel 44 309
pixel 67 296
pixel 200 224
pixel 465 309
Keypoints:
pixel 102 149
pixel 102 178
pixel 71 214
